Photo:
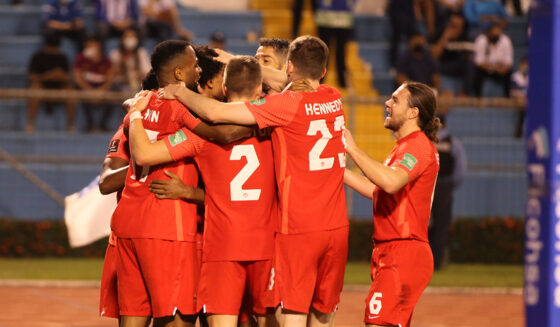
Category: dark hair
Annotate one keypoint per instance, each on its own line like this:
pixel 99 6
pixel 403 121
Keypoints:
pixel 280 47
pixel 309 56
pixel 243 75
pixel 150 82
pixel 52 39
pixel 166 51
pixel 424 98
pixel 210 67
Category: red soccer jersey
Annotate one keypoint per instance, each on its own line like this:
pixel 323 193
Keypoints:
pixel 140 214
pixel 309 157
pixel 118 148
pixel 240 203
pixel 406 214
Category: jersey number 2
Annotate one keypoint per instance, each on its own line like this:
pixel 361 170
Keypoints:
pixel 236 185
pixel 320 126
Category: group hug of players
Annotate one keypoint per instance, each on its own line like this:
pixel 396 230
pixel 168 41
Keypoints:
pixel 254 150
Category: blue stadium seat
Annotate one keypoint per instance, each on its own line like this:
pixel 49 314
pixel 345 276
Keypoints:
pixel 495 151
pixel 482 122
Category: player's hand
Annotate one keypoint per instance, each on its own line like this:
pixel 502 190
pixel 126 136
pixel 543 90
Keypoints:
pixel 171 189
pixel 348 140
pixel 301 85
pixel 223 56
pixel 170 91
pixel 140 101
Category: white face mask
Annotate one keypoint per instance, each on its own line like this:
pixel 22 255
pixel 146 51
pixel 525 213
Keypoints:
pixel 130 43
pixel 90 53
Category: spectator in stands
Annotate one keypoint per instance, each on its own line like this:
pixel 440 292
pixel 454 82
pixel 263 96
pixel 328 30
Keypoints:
pixel 482 14
pixel 452 170
pixel 417 64
pixel 335 24
pixel 217 40
pixel 403 21
pixel 49 69
pixel 297 9
pixel 493 57
pixel 454 53
pixel 519 86
pixel 516 6
pixel 161 19
pixel 444 9
pixel 114 17
pixel 130 62
pixel 64 17
pixel 93 72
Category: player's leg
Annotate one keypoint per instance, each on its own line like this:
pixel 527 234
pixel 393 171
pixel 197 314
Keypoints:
pixel 108 295
pixel 258 295
pixel 221 289
pixel 178 320
pixel 330 278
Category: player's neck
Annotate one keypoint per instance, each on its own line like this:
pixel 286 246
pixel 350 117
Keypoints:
pixel 238 98
pixel 406 129
pixel 314 83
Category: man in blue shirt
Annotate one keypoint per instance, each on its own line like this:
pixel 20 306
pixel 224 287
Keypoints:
pixel 64 18
pixel 482 14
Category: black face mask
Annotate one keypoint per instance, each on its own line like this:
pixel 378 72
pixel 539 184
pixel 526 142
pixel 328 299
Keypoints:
pixel 418 48
pixel 493 39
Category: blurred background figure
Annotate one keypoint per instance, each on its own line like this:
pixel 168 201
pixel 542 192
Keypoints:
pixel 443 10
pixel 493 57
pixel 482 14
pixel 93 72
pixel 217 40
pixel 49 69
pixel 161 19
pixel 452 170
pixel 114 17
pixel 335 26
pixel 516 6
pixel 453 52
pixel 519 87
pixel 64 18
pixel 417 64
pixel 403 21
pixel 297 9
pixel 130 62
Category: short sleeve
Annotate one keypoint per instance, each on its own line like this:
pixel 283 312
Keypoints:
pixel 118 146
pixel 414 158
pixel 188 120
pixel 184 144
pixel 275 110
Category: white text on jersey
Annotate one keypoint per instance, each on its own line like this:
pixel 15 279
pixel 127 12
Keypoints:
pixel 323 108
pixel 151 115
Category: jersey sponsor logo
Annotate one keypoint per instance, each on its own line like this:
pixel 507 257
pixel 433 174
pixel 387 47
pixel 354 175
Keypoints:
pixel 177 138
pixel 258 102
pixel 408 161
pixel 114 146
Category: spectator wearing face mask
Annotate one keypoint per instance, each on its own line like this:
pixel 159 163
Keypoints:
pixel 130 62
pixel 417 64
pixel 93 72
pixel 493 57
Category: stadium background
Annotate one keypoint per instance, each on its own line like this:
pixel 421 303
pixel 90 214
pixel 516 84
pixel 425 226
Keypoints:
pixel 488 207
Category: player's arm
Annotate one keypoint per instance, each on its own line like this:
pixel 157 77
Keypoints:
pixel 359 183
pixel 207 108
pixel 222 134
pixel 274 78
pixel 144 152
pixel 174 188
pixel 113 175
pixel 389 179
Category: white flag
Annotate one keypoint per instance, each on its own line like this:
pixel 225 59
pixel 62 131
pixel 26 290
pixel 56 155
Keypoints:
pixel 88 214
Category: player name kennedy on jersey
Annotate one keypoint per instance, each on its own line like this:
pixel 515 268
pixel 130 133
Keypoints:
pixel 323 108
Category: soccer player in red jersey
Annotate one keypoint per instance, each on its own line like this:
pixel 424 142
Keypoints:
pixel 309 158
pixel 157 273
pixel 402 190
pixel 241 204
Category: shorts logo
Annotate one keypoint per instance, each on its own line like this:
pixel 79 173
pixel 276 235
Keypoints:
pixel 114 146
pixel 258 102
pixel 271 283
pixel 177 138
pixel 408 161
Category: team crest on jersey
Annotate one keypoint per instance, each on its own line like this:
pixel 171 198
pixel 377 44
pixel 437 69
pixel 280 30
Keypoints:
pixel 258 102
pixel 408 161
pixel 114 146
pixel 177 138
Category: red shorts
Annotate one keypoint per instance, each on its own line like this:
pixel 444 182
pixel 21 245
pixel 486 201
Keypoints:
pixel 400 271
pixel 108 299
pixel 309 269
pixel 224 283
pixel 156 277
